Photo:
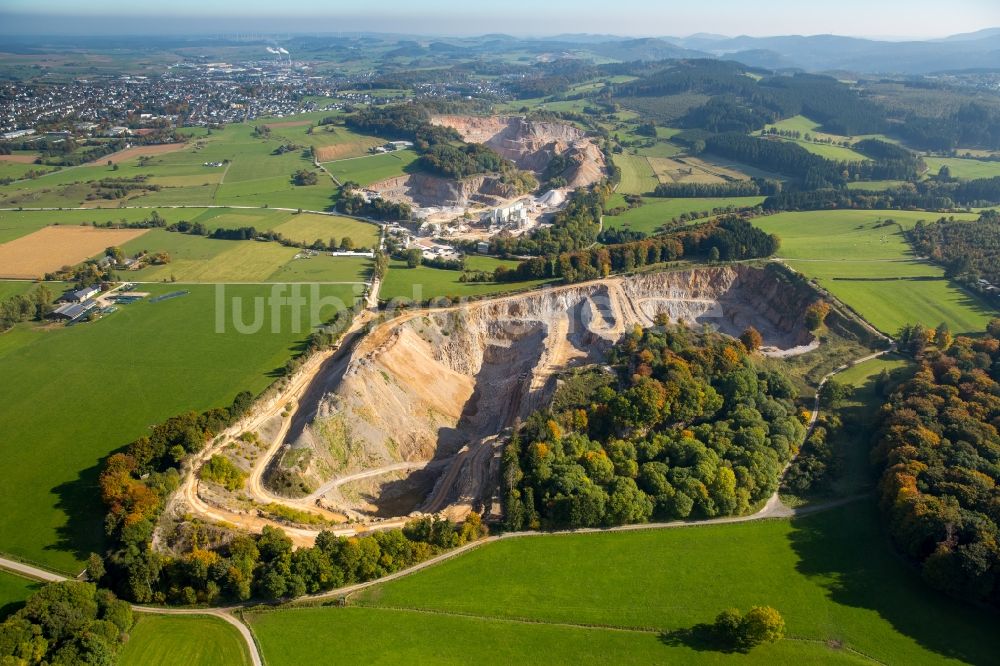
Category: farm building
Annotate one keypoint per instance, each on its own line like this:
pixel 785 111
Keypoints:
pixel 73 311
pixel 79 295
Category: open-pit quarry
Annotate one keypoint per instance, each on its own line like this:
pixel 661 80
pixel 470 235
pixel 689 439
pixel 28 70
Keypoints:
pixel 411 416
pixel 530 145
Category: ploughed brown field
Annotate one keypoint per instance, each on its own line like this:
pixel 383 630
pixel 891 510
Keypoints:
pixel 19 159
pixel 139 151
pixel 51 248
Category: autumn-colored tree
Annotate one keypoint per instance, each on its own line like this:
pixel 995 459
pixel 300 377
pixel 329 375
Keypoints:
pixel 816 314
pixel 751 339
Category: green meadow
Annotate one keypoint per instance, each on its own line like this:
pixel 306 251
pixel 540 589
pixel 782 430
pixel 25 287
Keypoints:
pixel 192 640
pixel 965 169
pixel 72 395
pixel 306 228
pixel 255 173
pixel 638 176
pixel 635 597
pixel 13 592
pixel 863 258
pixel 655 212
pixel 371 169
pixel 424 282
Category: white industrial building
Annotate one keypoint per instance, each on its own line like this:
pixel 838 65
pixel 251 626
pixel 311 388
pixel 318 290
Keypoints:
pixel 515 214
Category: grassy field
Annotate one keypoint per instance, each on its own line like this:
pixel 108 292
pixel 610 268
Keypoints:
pixel 875 185
pixel 368 170
pixel 306 228
pixel 661 148
pixel 656 212
pixel 831 575
pixel 890 305
pixel 256 172
pixel 859 258
pixel 200 259
pixel 384 636
pixel 829 151
pixel 13 591
pixel 10 288
pixel 847 234
pixel 424 282
pixel 963 168
pixel 72 395
pixel 692 170
pixel 861 408
pixel 638 176
pixel 195 640
pixel 324 268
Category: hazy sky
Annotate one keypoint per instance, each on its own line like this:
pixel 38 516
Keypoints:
pixel 882 18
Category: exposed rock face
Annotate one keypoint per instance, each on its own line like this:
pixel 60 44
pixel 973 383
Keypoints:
pixel 424 385
pixel 531 145
pixel 426 190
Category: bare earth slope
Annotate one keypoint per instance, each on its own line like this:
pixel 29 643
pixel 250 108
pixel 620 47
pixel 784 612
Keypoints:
pixel 412 425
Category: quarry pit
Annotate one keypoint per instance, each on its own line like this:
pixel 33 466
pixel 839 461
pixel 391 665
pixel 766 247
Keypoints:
pixel 416 422
pixel 531 145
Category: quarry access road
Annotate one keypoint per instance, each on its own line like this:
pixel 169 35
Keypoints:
pixel 367 474
pixel 307 387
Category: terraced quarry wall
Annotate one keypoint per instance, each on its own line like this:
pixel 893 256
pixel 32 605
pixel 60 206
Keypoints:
pixel 425 394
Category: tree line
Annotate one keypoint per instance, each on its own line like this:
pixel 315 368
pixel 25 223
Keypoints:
pixel 970 251
pixel 377 208
pixel 729 238
pixel 34 305
pixel 938 443
pixel 926 195
pixel 733 188
pixel 688 427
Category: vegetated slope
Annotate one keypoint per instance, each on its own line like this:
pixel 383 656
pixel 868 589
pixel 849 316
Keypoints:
pixel 532 145
pixel 688 425
pixel 421 388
